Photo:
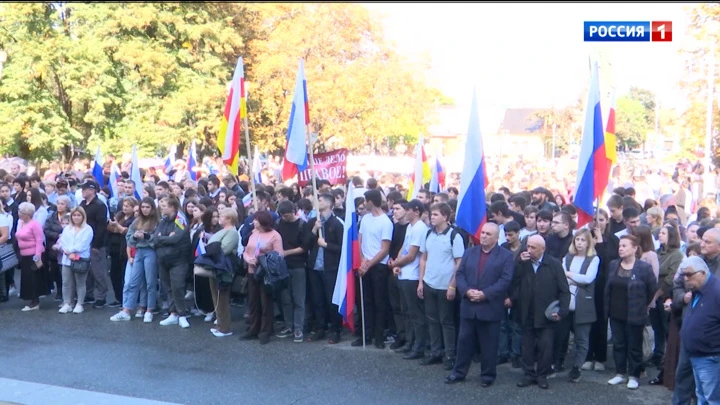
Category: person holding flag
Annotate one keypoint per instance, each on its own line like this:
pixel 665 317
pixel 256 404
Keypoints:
pixel 325 246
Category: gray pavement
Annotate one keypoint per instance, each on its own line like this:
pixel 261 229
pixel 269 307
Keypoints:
pixel 88 352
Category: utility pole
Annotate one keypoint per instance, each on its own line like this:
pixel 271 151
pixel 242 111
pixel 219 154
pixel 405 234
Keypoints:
pixel 710 102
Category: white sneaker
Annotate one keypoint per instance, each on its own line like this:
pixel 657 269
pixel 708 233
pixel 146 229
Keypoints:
pixel 617 380
pixel 633 383
pixel 189 295
pixel 65 309
pixel 217 333
pixel 215 322
pixel 170 320
pixel 148 317
pixel 140 313
pixel 78 309
pixel 28 308
pixel 12 291
pixel 184 322
pixel 209 317
pixel 599 366
pixel 588 366
pixel 120 316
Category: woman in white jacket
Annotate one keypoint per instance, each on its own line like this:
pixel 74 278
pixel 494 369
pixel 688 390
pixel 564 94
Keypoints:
pixel 74 243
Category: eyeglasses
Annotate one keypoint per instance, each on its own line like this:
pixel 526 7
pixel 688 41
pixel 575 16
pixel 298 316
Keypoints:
pixel 690 275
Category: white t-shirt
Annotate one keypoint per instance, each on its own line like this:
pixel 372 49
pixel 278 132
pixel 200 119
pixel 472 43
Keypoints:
pixel 414 236
pixel 375 230
pixel 7 220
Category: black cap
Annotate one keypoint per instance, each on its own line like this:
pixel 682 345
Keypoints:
pixel 89 184
pixel 415 205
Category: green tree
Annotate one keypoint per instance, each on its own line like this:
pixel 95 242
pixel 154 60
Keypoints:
pixel 631 124
pixel 647 99
pixel 80 75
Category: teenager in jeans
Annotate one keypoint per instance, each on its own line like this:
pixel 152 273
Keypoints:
pixel 438 263
pixel 142 265
pixel 292 230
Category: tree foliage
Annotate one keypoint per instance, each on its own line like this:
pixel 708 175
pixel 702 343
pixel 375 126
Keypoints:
pixel 566 123
pixel 631 125
pixel 704 35
pixel 80 75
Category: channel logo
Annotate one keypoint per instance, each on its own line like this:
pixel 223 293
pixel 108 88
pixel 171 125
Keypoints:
pixel 628 31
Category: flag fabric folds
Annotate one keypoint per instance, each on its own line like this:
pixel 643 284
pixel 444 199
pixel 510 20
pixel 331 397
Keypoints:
pixel 344 293
pixel 114 177
pixel 256 169
pixel 192 161
pixel 422 170
pixel 437 178
pixel 170 159
pixel 228 140
pixel 472 206
pixel 135 174
pixel 593 164
pixel 296 146
pixel 97 170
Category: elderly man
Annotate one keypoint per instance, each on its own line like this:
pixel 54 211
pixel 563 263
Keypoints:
pixel 539 281
pixel 700 332
pixel 483 280
pixel 710 249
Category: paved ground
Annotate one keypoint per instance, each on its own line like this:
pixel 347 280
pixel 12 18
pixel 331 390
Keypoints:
pixel 88 352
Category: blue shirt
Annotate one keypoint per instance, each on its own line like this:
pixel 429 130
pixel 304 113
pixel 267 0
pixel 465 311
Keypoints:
pixel 536 264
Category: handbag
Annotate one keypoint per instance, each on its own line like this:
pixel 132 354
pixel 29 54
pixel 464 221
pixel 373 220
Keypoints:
pixel 8 257
pixel 80 266
pixel 203 272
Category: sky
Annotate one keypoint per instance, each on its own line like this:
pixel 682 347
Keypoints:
pixel 533 55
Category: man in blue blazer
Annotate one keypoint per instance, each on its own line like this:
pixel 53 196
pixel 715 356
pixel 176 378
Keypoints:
pixel 483 280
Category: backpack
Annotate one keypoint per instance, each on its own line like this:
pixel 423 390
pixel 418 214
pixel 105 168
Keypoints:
pixel 274 271
pixel 454 230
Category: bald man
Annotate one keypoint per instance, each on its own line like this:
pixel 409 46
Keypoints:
pixel 483 280
pixel 539 281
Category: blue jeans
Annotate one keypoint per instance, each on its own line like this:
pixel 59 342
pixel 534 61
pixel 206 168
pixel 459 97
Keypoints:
pixel 707 379
pixel 144 275
pixel 510 338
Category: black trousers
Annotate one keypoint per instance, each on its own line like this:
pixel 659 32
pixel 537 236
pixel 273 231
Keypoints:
pixel 56 276
pixel 627 347
pixel 323 286
pixel 375 295
pixel 537 347
pixel 118 261
pixel 398 311
pixel 475 334
pixel 598 331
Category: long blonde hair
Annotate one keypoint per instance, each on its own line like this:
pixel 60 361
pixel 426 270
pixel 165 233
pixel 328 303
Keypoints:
pixel 81 211
pixel 590 251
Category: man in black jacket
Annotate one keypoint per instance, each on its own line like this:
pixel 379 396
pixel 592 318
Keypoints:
pixel 323 261
pixel 97 218
pixel 173 249
pixel 539 280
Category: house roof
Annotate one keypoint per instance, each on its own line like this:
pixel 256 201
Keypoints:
pixel 521 121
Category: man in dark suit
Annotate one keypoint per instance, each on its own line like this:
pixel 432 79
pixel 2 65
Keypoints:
pixel 483 279
pixel 539 280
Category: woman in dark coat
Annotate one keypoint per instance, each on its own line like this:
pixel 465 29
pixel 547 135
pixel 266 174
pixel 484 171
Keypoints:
pixel 606 246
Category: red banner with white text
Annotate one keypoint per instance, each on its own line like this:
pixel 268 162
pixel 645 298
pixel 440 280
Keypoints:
pixel 330 166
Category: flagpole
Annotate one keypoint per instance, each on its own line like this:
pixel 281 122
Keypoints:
pixel 249 166
pixel 362 310
pixel 313 177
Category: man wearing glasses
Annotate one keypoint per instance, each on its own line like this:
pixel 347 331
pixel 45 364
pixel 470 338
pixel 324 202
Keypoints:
pixel 700 332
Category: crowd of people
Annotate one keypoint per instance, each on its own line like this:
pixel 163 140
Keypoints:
pixel 174 248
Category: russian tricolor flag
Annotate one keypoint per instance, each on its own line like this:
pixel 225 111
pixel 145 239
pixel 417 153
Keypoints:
pixel 472 209
pixel 170 160
pixel 192 161
pixel 437 180
pixel 114 177
pixel 344 293
pixel 295 149
pixel 200 249
pixel 593 164
pixel 97 170
pixel 256 169
pixel 135 174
